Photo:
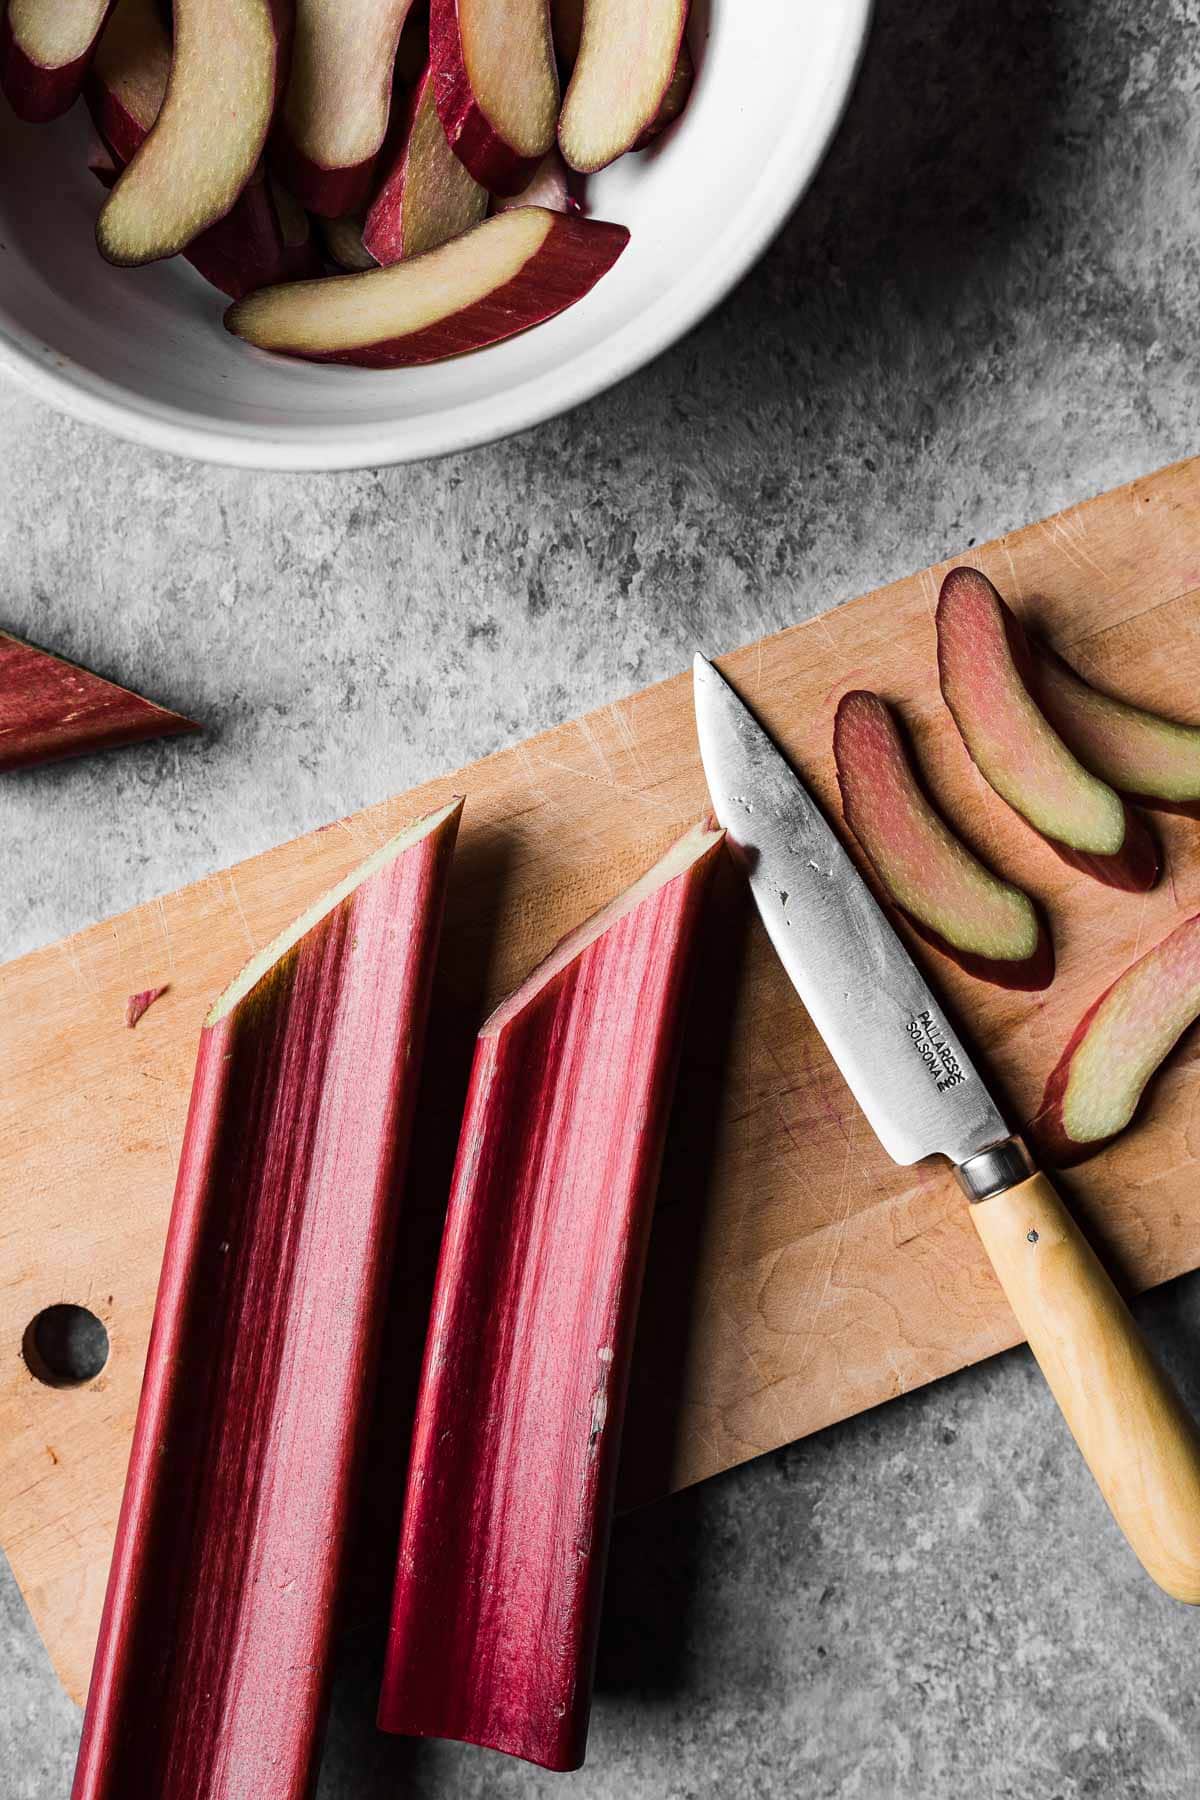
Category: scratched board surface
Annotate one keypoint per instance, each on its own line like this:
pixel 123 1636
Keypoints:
pixel 796 1276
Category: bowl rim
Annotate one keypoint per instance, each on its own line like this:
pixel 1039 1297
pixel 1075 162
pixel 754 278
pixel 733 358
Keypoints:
pixel 94 400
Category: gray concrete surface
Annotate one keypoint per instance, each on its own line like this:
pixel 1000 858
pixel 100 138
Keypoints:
pixel 986 308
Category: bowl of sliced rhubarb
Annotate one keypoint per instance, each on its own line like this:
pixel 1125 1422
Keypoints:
pixel 284 234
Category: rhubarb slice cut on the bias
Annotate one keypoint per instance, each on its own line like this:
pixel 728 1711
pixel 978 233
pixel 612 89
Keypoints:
pixel 264 237
pixel 496 84
pixel 627 59
pixel 208 136
pixel 988 926
pixel 212 1670
pixel 426 196
pixel 1118 1046
pixel 51 709
pixel 514 1453
pixel 509 273
pixel 1141 754
pixel 339 94
pixel 45 49
pixel 985 665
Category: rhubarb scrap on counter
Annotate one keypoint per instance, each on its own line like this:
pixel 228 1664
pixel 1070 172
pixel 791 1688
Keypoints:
pixel 988 683
pixel 1118 1046
pixel 138 1005
pixel 51 709
pixel 514 1453
pixel 989 927
pixel 212 1670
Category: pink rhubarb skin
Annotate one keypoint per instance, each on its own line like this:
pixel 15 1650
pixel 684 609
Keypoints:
pixel 1118 1046
pixel 51 709
pixel 426 195
pixel 479 141
pixel 212 1670
pixel 35 92
pixel 988 926
pixel 138 1005
pixel 514 1454
pixel 985 666
pixel 1144 756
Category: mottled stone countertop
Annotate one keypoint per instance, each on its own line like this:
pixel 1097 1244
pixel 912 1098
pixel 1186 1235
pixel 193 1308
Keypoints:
pixel 985 309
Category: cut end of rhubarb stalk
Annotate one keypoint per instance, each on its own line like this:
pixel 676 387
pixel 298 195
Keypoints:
pixel 984 664
pixel 339 94
pixel 696 844
pixel 427 197
pixel 207 139
pixel 507 274
pixel 1118 1046
pixel 45 48
pixel 515 1449
pixel 138 1005
pixel 260 967
pixel 496 84
pixel 988 926
pixel 628 58
pixel 1141 754
pixel 51 709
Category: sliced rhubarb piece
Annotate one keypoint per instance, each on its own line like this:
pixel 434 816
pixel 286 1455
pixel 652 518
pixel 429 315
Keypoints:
pixel 627 60
pixel 550 188
pixel 344 242
pixel 138 1005
pixel 507 274
pixel 262 239
pixel 100 160
pixel 339 93
pixel 426 197
pixel 986 676
pixel 988 926
pixel 496 86
pixel 514 1453
pixel 1118 1046
pixel 212 1670
pixel 51 709
pixel 205 143
pixel 674 101
pixel 45 49
pixel 1141 754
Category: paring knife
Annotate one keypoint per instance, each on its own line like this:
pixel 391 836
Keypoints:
pixel 923 1096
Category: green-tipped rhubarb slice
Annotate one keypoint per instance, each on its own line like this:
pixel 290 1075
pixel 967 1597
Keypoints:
pixel 986 674
pixel 1119 1044
pixel 1140 753
pixel 988 926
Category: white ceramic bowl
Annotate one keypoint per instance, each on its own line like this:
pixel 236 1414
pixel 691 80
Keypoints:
pixel 144 351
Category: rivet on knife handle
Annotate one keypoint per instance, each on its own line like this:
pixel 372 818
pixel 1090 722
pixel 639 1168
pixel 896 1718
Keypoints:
pixel 1135 1435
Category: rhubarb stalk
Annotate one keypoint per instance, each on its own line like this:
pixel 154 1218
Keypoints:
pixel 514 1453
pixel 51 709
pixel 212 1669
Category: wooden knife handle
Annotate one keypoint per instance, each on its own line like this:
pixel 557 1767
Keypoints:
pixel 1133 1430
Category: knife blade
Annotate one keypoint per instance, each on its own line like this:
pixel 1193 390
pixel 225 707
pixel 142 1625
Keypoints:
pixel 923 1095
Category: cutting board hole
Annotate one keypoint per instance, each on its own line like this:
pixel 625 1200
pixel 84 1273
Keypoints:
pixel 64 1346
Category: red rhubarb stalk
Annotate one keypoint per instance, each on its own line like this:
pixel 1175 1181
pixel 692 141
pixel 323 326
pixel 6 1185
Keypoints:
pixel 212 1669
pixel 514 1454
pixel 1117 1047
pixel 51 709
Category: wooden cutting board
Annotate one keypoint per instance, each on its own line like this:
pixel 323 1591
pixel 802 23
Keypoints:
pixel 796 1276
